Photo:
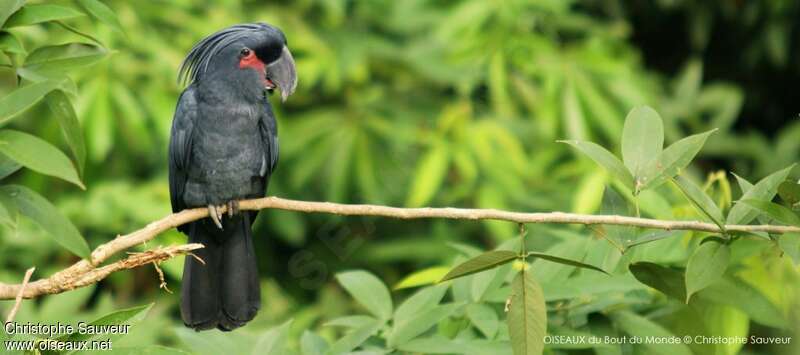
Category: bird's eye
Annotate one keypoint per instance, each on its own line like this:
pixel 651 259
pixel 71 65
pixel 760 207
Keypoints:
pixel 245 52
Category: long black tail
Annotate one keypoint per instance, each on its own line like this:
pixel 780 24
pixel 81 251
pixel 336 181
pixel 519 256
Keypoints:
pixel 224 292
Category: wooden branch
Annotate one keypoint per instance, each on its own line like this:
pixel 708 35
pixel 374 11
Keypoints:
pixel 18 301
pixel 86 272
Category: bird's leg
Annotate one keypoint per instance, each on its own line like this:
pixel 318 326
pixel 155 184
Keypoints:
pixel 215 215
pixel 233 208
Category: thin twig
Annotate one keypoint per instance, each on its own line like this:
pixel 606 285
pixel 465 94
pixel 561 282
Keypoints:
pixel 86 272
pixel 18 300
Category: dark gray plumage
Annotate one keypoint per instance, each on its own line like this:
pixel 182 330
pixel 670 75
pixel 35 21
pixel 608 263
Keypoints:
pixel 224 147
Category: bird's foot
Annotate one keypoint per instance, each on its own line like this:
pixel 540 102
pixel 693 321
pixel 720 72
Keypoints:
pixel 216 216
pixel 233 208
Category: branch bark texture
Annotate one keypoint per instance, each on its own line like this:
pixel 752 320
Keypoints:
pixel 86 272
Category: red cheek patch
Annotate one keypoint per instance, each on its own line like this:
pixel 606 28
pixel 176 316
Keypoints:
pixel 251 61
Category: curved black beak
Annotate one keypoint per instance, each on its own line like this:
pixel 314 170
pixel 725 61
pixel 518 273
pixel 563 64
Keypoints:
pixel 282 72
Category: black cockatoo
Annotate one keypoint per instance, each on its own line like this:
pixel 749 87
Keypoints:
pixel 224 147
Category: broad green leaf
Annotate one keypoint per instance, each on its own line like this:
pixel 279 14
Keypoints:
pixel 56 60
pixel 8 166
pixel 642 327
pixel 273 341
pixel 70 127
pixel 102 12
pixel 765 190
pixel 423 277
pixel 706 266
pixel 429 176
pixel 775 211
pixel 38 13
pixel 479 263
pixel 420 302
pixel 122 317
pixel 664 279
pixel 527 315
pixel 789 191
pixel 312 344
pixel 369 291
pixel 642 140
pixel 7 8
pixel 484 318
pixel 651 236
pixel 737 293
pixel 37 155
pixel 10 44
pixel 790 244
pixel 744 185
pixel 404 331
pixel 673 160
pixel 23 98
pixel 214 343
pixel 604 158
pixel 37 208
pixel 701 201
pixel 354 338
pixel 564 261
pixel 350 321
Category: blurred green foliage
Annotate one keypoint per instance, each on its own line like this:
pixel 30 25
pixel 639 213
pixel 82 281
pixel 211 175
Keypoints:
pixel 414 103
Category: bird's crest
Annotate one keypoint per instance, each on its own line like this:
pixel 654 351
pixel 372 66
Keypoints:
pixel 197 61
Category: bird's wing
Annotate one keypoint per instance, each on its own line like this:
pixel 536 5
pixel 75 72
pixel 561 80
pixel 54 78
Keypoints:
pixel 180 147
pixel 269 138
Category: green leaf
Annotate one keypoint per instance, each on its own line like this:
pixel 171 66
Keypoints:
pixel 666 280
pixel 673 160
pixel 37 155
pixel 37 208
pixel 701 201
pixel 765 190
pixel 423 277
pixel 775 211
pixel 642 139
pixel 369 291
pixel 24 98
pixel 312 344
pixel 7 8
pixel 527 315
pixel 10 44
pixel 422 301
pixel 70 126
pixel 429 176
pixel 354 338
pixel 789 191
pixel 790 244
pixel 54 61
pixel 406 330
pixel 604 158
pixel 33 14
pixel 651 236
pixel 350 321
pixel 484 318
pixel 479 263
pixel 564 261
pixel 639 326
pixel 117 318
pixel 8 166
pixel 737 293
pixel 102 12
pixel 273 341
pixel 706 266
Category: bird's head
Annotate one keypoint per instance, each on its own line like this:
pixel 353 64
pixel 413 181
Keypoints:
pixel 252 57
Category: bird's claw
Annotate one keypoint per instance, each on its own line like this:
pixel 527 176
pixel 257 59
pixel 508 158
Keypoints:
pixel 215 215
pixel 233 208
